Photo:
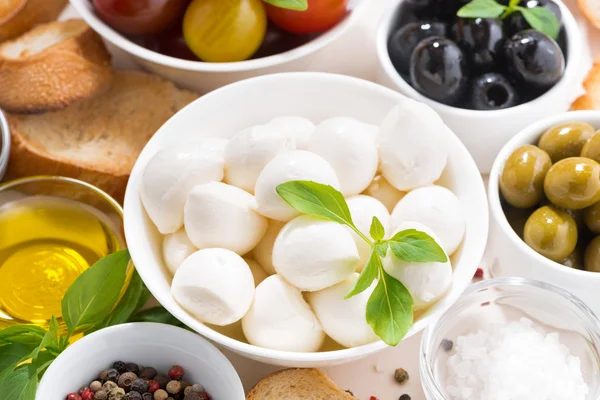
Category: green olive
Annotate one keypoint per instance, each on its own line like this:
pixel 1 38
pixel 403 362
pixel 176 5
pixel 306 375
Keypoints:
pixel 592 218
pixel 552 232
pixel 591 259
pixel 574 260
pixel 591 149
pixel 573 183
pixel 522 180
pixel 565 140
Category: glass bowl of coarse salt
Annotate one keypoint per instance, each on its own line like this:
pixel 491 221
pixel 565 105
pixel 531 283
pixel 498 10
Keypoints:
pixel 513 339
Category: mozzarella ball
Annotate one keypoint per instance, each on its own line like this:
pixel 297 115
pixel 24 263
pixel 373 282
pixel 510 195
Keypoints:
pixel 412 145
pixel 176 248
pixel 215 145
pixel 280 319
pixel 250 150
pixel 219 215
pixel 436 207
pixel 426 282
pixel 215 286
pixel 345 321
pixel 350 147
pixel 289 166
pixel 312 253
pixel 168 179
pixel 263 252
pixel 363 209
pixel 299 128
pixel 258 272
pixel 381 189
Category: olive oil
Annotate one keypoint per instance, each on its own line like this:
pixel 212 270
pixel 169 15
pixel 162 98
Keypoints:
pixel 45 244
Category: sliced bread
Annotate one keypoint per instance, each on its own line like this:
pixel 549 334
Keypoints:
pixel 591 99
pixel 297 384
pixel 51 66
pixel 98 139
pixel 22 15
pixel 591 9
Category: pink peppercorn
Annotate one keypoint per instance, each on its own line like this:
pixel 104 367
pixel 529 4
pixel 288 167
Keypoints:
pixel 479 273
pixel 372 398
pixel 176 372
pixel 205 395
pixel 153 386
pixel 73 396
pixel 87 395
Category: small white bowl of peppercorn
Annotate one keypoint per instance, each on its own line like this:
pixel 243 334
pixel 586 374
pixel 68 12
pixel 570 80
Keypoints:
pixel 141 361
pixel 488 73
pixel 544 196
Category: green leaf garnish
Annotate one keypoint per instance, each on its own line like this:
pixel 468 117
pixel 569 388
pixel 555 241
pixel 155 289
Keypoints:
pixel 25 334
pixel 156 314
pixel 390 309
pixel 297 5
pixel 94 293
pixel 481 9
pixel 415 246
pixel 376 231
pixel 50 339
pixel 12 354
pixel 369 273
pixel 542 19
pixel 19 384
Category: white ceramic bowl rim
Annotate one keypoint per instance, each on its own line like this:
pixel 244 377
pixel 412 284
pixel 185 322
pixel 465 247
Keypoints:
pixel 4 144
pixel 84 9
pixel 327 356
pixel 574 52
pixel 528 136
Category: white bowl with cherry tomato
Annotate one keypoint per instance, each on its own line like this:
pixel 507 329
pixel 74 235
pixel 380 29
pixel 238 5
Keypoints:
pixel 206 44
pixel 495 82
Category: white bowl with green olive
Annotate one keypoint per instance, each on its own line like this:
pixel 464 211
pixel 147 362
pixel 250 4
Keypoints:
pixel 544 195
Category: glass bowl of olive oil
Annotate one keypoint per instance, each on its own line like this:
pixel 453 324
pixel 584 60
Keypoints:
pixel 51 230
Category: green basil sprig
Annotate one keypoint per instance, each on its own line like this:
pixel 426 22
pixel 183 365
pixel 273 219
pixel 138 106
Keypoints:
pixel 539 18
pixel 390 306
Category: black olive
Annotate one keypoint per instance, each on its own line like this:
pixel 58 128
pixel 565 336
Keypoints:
pixel 481 40
pixel 492 91
pixel 533 58
pixel 516 22
pixel 404 40
pixel 438 69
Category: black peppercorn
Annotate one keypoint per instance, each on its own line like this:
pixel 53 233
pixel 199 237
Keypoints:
pixel 184 384
pixel 112 375
pixel 132 367
pixel 126 379
pixel 401 375
pixel 148 373
pixel 447 345
pixel 133 396
pixel 147 396
pixel 162 380
pixel 404 397
pixel 102 376
pixel 119 366
pixel 139 385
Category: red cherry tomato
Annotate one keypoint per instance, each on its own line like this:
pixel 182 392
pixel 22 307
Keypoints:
pixel 320 16
pixel 140 17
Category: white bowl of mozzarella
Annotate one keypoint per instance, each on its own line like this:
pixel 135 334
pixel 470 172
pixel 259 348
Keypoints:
pixel 222 252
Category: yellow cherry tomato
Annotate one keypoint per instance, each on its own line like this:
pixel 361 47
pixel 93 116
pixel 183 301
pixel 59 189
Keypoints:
pixel 224 30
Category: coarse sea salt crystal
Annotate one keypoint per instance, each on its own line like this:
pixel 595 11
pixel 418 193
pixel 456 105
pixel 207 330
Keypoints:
pixel 514 361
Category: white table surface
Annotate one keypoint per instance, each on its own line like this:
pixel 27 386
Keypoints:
pixel 354 54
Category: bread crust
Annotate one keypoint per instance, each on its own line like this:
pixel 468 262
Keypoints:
pixel 587 9
pixel 298 383
pixel 32 13
pixel 9 8
pixel 591 99
pixel 72 69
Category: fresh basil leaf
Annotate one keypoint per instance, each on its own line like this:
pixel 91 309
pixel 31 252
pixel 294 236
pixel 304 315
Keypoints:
pixel 316 199
pixel 377 230
pixel 25 334
pixel 297 5
pixel 368 275
pixel 513 3
pixel 390 309
pixel 415 246
pixel 12 354
pixel 381 248
pixel 156 314
pixel 135 296
pixel 50 339
pixel 481 9
pixel 19 384
pixel 94 293
pixel 542 19
pixel 40 364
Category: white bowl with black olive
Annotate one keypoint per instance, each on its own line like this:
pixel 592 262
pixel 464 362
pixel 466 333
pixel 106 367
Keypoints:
pixel 487 77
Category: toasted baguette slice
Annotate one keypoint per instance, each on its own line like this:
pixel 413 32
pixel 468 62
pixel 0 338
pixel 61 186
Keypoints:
pixel 98 139
pixel 22 15
pixel 52 66
pixel 591 99
pixel 297 384
pixel 591 9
